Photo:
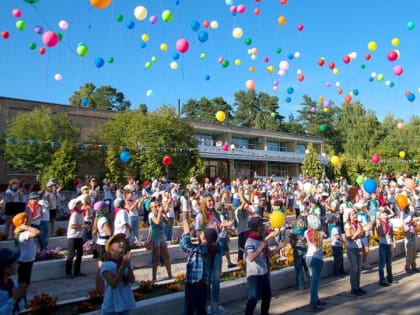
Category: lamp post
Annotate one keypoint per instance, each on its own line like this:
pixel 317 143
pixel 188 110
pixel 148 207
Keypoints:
pixel 232 147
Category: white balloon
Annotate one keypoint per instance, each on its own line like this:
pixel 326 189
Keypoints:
pixel 63 25
pixel 299 71
pixel 387 82
pixel 398 53
pixel 237 32
pixel 149 93
pixel 214 24
pixel 249 51
pixel 140 13
pixel 174 65
pixel 353 55
pixel 254 57
pixel 418 90
pixel 281 72
pixel 297 54
pixel 284 65
pixel 337 84
pixel 58 77
pixel 373 75
pixel 229 2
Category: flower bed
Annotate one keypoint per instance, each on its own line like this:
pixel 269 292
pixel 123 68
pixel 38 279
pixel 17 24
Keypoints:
pixel 49 254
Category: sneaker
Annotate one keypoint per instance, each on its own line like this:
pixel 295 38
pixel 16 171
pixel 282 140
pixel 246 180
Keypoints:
pixel 393 281
pixel 316 308
pixel 321 303
pixel 221 310
pixel 415 270
pixel 80 274
pixel 410 270
pixel 209 309
pixel 384 283
pixel 69 276
pixel 362 291
pixel 366 266
pixel 356 292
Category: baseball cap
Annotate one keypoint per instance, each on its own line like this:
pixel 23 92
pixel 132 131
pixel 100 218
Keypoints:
pixel 210 235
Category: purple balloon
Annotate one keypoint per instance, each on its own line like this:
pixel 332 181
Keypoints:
pixel 153 19
pixel 39 30
pixel 313 109
pixel 276 83
pixel 327 104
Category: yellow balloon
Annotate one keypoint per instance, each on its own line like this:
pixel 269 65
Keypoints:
pixel 237 32
pixel 402 154
pixel 335 160
pixel 277 219
pixel 270 69
pixel 372 46
pixel 220 116
pixel 351 93
pixel 140 13
pixel 237 62
pixel 144 37
pixel 335 71
pixel 326 109
pixel 174 65
pixel 395 42
pixel 163 47
pixel 251 69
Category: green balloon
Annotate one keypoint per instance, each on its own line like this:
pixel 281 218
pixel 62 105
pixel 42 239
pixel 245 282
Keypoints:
pixel 380 77
pixel 20 25
pixel 32 46
pixel 273 114
pixel 167 16
pixel 410 26
pixel 203 56
pixel 363 66
pixel 82 50
pixel 110 60
pixel 278 50
pixel 248 41
pixel 225 63
pixel 148 65
pixel 60 36
pixel 120 17
pixel 360 179
pixel 322 128
pixel 32 1
pixel 154 59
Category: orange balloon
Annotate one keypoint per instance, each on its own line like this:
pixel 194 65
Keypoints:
pixel 321 98
pixel 250 84
pixel 401 201
pixel 251 69
pixel 409 183
pixel 100 4
pixel 282 20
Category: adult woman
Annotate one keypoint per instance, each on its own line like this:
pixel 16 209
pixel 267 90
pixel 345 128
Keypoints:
pixel 93 190
pixel 121 221
pixel 88 217
pixel 169 203
pixel 14 203
pixel 133 206
pixel 53 197
pixel 354 233
pixel 117 273
pixel 157 235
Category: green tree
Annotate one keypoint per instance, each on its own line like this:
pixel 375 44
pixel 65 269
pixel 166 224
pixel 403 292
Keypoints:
pixel 143 108
pixel 63 167
pixel 293 126
pixel 106 97
pixel 33 139
pixel 206 109
pixel 311 166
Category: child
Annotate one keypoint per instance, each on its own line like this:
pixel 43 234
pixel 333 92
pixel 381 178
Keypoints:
pixel 298 242
pixel 44 226
pixel 337 246
pixel 33 213
pixel 386 240
pixel 224 237
pixel 241 217
pixel 257 269
pixel 88 217
pixel 410 229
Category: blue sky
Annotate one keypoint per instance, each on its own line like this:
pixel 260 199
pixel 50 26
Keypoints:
pixel 332 29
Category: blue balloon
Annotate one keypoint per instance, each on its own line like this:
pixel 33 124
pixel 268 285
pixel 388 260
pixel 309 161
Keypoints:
pixel 130 24
pixel 227 187
pixel 85 101
pixel 207 77
pixel 176 2
pixel 99 62
pixel 371 79
pixel 234 13
pixel 290 90
pixel 411 97
pixel 288 99
pixel 125 156
pixel 290 56
pixel 143 45
pixel 195 26
pixel 391 84
pixel 369 186
pixel 175 56
pixel 356 92
pixel 203 36
pixel 236 202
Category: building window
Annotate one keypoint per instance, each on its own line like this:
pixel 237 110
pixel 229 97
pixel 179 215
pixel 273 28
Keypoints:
pixel 278 170
pixel 301 148
pixel 273 146
pixel 204 139
pixel 240 143
pixel 283 147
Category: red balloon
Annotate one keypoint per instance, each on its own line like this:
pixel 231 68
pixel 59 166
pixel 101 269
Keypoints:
pixel 167 160
pixel 225 147
pixel 257 0
pixel 301 77
pixel 406 93
pixel 331 65
pixel 321 62
pixel 346 59
pixel 206 24
pixel 283 2
pixel 266 59
pixel 300 27
pixel 392 55
pixel 257 11
pixel 347 98
pixel 5 34
pixel 367 56
pixel 340 91
pixel 376 159
pixel 42 50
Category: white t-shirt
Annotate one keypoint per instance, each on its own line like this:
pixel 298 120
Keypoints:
pixel 101 230
pixel 171 213
pixel 334 241
pixel 357 243
pixel 45 214
pixel 185 204
pixel 121 219
pixel 11 192
pixel 54 199
pixel 195 207
pixel 27 247
pixel 134 212
pixel 312 250
pixel 107 192
pixel 259 266
pixel 75 219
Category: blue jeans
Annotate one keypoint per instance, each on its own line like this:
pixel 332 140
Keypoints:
pixel 116 313
pixel 338 260
pixel 298 264
pixel 168 229
pixel 134 223
pixel 258 287
pixel 215 268
pixel 87 235
pixel 195 299
pixel 315 269
pixel 385 259
pixel 44 229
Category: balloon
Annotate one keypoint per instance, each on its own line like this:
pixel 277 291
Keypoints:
pixel 251 69
pixel 301 77
pixel 42 51
pixel 369 186
pixel 373 75
pixel 143 45
pixel 60 36
pixel 380 77
pixel 283 2
pixel 148 65
pixel 153 19
pixel 100 4
pixel 411 97
pixel 276 83
pixel 163 46
pixel 167 160
pixel 362 66
pixel 356 92
pixel 237 62
pixel 206 24
pixel 273 114
pixel 32 46
pixel 398 53
pixel 290 90
pixel 353 55
pixel 331 65
pixel 270 69
pixel 149 93
pixel 313 109
pixel 241 8
pixel 203 56
pixel 203 36
pixel 340 91
pixel 337 84
pixel 281 72
pixel 220 60
pixel 125 156
pixel 99 62
pixel 372 46
pixel 392 56
pixel 410 26
pixel 326 110
pixel 20 25
pixel 248 41
pixel 288 99
pixel 277 219
pixel 395 42
pixel 281 20
pixel 130 24
pixel 322 128
pixel 308 187
pixel 214 25
pixel 58 77
pixel 360 179
pixel 297 54
pixel 233 9
pixel 335 160
pixel 284 65
pixel 174 65
pixel 154 59
pixel 195 26
pixel 237 32
pixel 375 158
pixel 327 103
pixel 300 27
pixel 225 147
pixel 409 183
pixel 63 25
pixel 398 70
pixel 39 30
pixel 220 116
pixel 17 13
pixel 50 38
pixel 82 49
pixel 290 56
pixel 206 77
pixel 167 16
pixel 176 2
pixel 266 59
pixel 182 45
pixel 368 56
pixel 321 62
pixel 225 63
pixel 400 126
pixel 278 50
pixel 335 71
pixel 254 51
pixel 140 13
pixel 402 154
pixel 145 37
pixel 229 2
pixel 119 17
pixel 250 84
pixel 5 34
pixel 346 59
pixel 257 11
pixel 32 1
pixel 328 84
pixel 85 101
pixel 110 60
pixel 401 201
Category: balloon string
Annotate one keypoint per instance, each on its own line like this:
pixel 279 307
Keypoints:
pixel 90 18
pixel 112 15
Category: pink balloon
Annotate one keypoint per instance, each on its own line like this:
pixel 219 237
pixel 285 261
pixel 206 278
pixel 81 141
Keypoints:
pixel 400 126
pixel 182 45
pixel 17 13
pixel 241 8
pixel 225 147
pixel 50 39
pixel 63 25
pixel 300 27
pixel 58 77
pixel 328 84
pixel 398 70
pixel 281 72
pixel 376 158
pixel 392 55
pixel 220 60
pixel 233 8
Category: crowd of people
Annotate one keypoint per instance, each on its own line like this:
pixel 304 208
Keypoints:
pixel 111 215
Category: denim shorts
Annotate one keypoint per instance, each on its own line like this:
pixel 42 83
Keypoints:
pixel 224 245
pixel 159 242
pixel 365 241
